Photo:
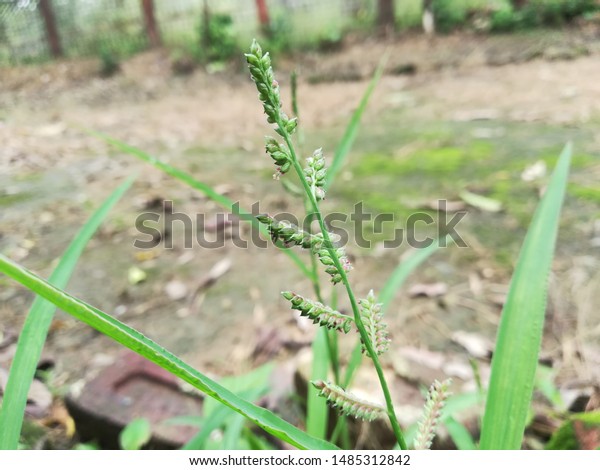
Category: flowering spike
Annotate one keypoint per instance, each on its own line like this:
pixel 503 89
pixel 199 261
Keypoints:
pixel 436 399
pixel 268 89
pixel 279 154
pixel 370 313
pixel 327 261
pixel 319 313
pixel 347 403
pixel 289 234
pixel 315 174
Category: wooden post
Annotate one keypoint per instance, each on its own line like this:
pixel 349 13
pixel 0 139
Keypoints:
pixel 205 33
pixel 263 15
pixel 386 19
pixel 150 22
pixel 518 4
pixel 51 29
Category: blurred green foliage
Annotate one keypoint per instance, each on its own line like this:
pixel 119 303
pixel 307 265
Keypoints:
pixel 218 41
pixel 539 13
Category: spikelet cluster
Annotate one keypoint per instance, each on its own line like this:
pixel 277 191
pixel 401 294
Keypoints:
pixel 319 313
pixel 330 268
pixel 289 234
pixel 370 313
pixel 315 173
pixel 279 154
pixel 268 89
pixel 436 399
pixel 347 403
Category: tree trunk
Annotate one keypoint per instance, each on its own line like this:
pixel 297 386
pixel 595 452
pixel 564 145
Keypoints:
pixel 263 15
pixel 51 29
pixel 385 16
pixel 150 22
pixel 518 4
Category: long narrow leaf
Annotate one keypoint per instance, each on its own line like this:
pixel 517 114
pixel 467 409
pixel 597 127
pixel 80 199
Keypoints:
pixel 317 411
pixel 521 325
pixel 36 326
pixel 223 201
pixel 460 435
pixel 147 348
pixel 404 269
pixel 235 426
pixel 343 148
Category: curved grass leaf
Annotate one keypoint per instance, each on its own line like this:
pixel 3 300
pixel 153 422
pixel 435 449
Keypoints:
pixel 343 148
pixel 460 435
pixel 136 434
pixel 206 189
pixel 317 412
pixel 147 348
pixel 405 268
pixel 36 326
pixel 521 325
pixel 212 422
pixel 565 437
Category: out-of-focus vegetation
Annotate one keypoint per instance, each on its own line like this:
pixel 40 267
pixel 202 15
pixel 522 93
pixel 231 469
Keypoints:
pixel 216 30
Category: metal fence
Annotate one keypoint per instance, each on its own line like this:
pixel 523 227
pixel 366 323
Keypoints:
pixel 36 30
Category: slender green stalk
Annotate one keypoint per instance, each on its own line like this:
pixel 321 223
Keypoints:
pixel 313 180
pixel 331 349
pixel 317 410
pixel 328 244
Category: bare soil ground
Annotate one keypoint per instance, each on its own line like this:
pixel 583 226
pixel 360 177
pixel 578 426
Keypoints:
pixel 52 174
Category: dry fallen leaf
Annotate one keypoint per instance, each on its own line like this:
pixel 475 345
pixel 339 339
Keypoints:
pixel 475 344
pixel 176 290
pixel 534 172
pixel 445 206
pixel 436 289
pixel 481 202
pixel 59 416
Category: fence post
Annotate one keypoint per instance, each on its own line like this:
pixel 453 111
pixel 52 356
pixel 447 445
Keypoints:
pixel 150 22
pixel 386 19
pixel 51 30
pixel 518 4
pixel 263 15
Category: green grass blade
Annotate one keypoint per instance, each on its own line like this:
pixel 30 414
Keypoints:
pixel 343 148
pixel 235 426
pixel 207 190
pixel 460 435
pixel 35 329
pixel 214 421
pixel 317 411
pixel 520 332
pixel 404 269
pixel 394 282
pixel 353 364
pixel 147 348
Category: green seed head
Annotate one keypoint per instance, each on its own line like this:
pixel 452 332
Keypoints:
pixel 319 313
pixel 347 403
pixel 370 314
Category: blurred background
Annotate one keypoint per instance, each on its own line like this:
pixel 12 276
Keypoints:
pixel 476 101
